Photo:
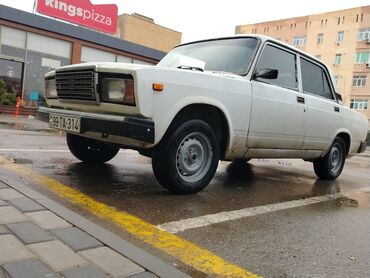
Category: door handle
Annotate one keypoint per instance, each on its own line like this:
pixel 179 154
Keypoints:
pixel 300 99
pixel 336 109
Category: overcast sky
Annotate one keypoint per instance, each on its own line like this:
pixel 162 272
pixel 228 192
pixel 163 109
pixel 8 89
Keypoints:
pixel 200 19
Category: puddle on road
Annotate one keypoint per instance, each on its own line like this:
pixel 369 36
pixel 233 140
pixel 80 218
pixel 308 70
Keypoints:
pixel 25 127
pixel 21 161
pixel 358 199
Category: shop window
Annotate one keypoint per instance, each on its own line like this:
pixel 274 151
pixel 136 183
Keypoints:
pixel 13 37
pixel 123 59
pixel 142 62
pixel 13 42
pixel 37 65
pixel 89 54
pixel 49 45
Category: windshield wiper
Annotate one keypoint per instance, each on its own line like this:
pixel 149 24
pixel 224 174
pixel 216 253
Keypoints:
pixel 190 68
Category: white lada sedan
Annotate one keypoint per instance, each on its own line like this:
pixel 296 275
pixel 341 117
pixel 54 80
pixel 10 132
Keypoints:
pixel 228 98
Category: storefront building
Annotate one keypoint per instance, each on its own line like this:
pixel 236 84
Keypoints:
pixel 31 45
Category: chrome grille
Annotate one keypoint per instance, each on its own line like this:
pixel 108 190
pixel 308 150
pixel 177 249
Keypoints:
pixel 76 84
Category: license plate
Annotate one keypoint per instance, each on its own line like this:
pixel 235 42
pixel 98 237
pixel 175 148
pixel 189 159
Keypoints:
pixel 63 122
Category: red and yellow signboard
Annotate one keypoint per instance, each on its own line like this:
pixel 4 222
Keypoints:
pixel 82 12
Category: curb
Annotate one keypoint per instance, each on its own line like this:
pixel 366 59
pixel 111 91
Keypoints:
pixel 137 255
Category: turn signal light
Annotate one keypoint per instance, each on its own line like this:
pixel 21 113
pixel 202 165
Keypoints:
pixel 158 87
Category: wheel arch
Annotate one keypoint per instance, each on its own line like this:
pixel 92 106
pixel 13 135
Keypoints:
pixel 347 140
pixel 214 115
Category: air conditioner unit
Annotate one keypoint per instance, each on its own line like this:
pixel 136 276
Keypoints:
pixel 367 41
pixel 367 65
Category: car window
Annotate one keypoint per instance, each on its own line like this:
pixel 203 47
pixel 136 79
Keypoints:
pixel 225 55
pixel 315 80
pixel 285 62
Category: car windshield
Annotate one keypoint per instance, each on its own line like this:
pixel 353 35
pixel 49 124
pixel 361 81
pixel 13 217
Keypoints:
pixel 225 55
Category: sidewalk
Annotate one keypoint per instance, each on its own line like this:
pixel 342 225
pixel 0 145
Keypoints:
pixel 40 238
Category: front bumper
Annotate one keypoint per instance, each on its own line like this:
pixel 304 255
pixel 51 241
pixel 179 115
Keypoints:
pixel 362 148
pixel 130 127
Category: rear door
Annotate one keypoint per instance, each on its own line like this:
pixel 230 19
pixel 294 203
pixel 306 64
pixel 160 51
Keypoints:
pixel 323 112
pixel 278 115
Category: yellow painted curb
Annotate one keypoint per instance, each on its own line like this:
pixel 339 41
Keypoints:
pixel 185 251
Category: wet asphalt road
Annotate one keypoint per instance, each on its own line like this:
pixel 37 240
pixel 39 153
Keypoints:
pixel 329 239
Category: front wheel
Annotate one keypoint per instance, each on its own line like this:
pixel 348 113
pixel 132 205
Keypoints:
pixel 187 160
pixel 90 150
pixel 331 165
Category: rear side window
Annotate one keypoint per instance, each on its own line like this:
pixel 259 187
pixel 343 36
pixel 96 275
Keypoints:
pixel 315 80
pixel 284 61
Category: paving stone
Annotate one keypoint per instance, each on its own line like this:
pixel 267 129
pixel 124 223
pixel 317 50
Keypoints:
pixel 3 185
pixel 89 271
pixel 112 262
pixel 26 204
pixel 29 232
pixel 3 230
pixel 11 215
pixel 76 239
pixel 29 269
pixel 57 255
pixel 47 220
pixel 3 203
pixel 146 274
pixel 9 194
pixel 13 250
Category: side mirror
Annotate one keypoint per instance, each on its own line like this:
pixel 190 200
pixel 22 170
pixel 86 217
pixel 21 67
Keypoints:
pixel 339 96
pixel 266 74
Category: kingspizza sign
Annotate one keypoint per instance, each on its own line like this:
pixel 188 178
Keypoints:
pixel 82 12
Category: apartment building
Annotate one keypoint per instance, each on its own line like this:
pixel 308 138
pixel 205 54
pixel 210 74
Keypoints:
pixel 341 39
pixel 143 30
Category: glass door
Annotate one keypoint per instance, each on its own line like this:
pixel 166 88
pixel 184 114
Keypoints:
pixel 11 80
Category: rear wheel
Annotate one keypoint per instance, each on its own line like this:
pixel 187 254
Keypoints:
pixel 90 150
pixel 331 165
pixel 187 160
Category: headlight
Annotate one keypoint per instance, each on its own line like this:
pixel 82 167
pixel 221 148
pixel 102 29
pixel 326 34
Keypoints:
pixel 118 90
pixel 50 88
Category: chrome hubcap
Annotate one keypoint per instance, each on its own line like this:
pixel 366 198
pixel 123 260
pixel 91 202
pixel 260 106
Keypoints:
pixel 193 157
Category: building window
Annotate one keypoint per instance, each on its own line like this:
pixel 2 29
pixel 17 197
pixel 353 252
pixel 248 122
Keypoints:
pixel 362 57
pixel 336 79
pixel 320 38
pixel 359 81
pixel 363 34
pixel 340 37
pixel 299 41
pixel 359 104
pixel 338 21
pixel 338 59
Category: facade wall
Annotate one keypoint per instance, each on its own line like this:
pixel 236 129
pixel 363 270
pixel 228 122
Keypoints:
pixel 142 30
pixel 339 32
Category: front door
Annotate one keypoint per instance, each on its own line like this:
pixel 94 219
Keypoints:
pixel 278 117
pixel 11 73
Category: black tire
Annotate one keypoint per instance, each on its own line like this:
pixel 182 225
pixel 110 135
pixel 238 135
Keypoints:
pixel 186 160
pixel 90 150
pixel 330 166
